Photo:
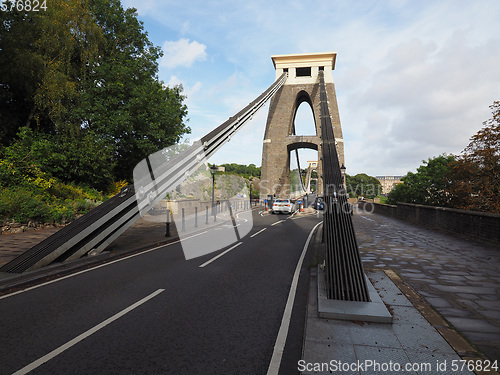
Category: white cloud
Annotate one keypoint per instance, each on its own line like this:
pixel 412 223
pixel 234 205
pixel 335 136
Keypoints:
pixel 182 53
pixel 426 100
pixel 413 79
pixel 174 81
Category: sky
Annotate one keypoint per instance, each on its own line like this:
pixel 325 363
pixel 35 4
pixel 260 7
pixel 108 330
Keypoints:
pixel 414 79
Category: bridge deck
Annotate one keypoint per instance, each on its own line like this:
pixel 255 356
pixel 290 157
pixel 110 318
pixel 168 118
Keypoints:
pixel 458 278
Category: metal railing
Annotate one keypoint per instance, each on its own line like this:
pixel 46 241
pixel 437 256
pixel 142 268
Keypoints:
pixel 345 278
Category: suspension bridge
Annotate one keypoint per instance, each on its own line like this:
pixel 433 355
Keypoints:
pixel 299 78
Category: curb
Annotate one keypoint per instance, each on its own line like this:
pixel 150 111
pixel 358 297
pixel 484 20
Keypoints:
pixel 463 348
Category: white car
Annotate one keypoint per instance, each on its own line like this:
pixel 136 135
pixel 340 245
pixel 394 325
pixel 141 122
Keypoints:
pixel 283 206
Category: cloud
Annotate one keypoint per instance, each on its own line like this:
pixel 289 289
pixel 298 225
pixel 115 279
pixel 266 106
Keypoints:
pixel 413 79
pixel 427 100
pixel 182 53
pixel 190 93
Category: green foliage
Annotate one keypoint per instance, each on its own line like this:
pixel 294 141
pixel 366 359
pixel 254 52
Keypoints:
pixel 28 191
pixel 429 186
pixel 60 156
pixel 45 57
pixel 246 171
pixel 60 204
pixel 19 205
pixel 44 199
pixel 80 105
pixel 85 74
pixel 362 185
pixel 470 181
pixel 124 103
pixel 475 175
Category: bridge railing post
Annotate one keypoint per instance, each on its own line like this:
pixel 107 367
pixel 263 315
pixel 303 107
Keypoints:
pixel 167 228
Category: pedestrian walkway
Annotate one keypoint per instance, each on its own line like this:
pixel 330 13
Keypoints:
pixel 144 233
pixel 14 244
pixel 409 345
pixel 459 278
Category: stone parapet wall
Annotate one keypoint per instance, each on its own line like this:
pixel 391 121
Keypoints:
pixel 479 226
pixel 190 205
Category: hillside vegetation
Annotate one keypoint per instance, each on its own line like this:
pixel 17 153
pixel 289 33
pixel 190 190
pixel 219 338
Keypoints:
pixel 80 105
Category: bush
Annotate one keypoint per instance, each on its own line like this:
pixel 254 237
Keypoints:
pixel 116 186
pixel 19 205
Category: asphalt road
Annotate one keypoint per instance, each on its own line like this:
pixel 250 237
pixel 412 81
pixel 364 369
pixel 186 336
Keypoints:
pixel 156 313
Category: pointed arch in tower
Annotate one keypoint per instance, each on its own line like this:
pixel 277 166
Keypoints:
pixel 298 127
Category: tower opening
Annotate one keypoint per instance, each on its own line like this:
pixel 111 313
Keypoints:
pixel 303 122
pixel 303 72
pixel 303 171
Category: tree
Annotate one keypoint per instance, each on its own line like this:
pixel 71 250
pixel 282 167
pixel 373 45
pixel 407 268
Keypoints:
pixel 475 175
pixel 429 186
pixel 246 171
pixel 363 185
pixel 124 102
pixel 85 73
pixel 60 156
pixel 44 58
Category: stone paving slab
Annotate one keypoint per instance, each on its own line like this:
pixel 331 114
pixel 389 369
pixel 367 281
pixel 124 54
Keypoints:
pixel 353 347
pixel 142 233
pixel 14 244
pixel 459 278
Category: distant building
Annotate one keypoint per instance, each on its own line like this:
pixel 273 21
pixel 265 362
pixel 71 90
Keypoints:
pixel 389 182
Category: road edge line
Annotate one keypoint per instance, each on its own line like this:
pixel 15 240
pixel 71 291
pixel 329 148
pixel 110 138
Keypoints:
pixel 279 345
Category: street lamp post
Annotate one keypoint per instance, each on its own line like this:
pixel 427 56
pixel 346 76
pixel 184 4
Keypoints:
pixel 304 184
pixel 213 169
pixel 342 171
pixel 250 193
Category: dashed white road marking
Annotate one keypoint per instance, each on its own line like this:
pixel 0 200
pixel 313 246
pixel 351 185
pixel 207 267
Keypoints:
pixel 260 231
pixel 84 335
pixel 221 254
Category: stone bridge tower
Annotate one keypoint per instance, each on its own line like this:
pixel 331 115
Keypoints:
pixel 280 139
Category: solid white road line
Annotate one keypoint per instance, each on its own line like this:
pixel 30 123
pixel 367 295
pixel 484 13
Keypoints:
pixel 260 231
pixel 76 340
pixel 279 346
pixel 221 254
